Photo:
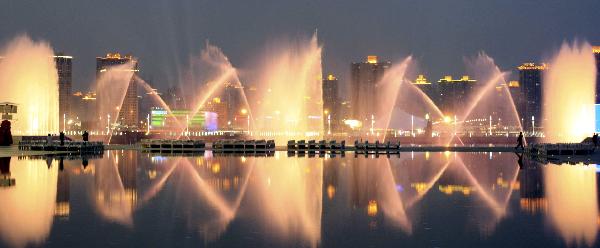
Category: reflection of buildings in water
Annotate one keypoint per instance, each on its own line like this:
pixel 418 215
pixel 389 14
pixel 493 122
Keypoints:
pixel 373 187
pixel 62 194
pixel 531 179
pixel 364 184
pixel 27 209
pixel 222 174
pixel 331 169
pixel 127 170
pixel 567 195
pixel 115 186
pixel 5 179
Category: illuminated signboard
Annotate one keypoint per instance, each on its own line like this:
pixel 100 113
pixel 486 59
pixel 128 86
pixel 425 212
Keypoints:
pixel 160 119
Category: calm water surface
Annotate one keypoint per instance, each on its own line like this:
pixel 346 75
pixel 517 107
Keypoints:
pixel 132 199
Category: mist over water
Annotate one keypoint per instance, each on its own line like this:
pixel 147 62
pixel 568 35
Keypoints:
pixel 28 77
pixel 569 88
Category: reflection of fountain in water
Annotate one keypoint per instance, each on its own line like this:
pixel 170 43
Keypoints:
pixel 115 192
pixel 287 198
pixel 492 185
pixel 569 88
pixel 27 210
pixel 289 93
pixel 375 183
pixel 28 77
pixel 571 194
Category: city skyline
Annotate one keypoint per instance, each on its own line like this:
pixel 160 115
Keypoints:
pixel 439 36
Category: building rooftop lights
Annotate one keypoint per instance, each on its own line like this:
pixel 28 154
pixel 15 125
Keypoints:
pixel 116 56
pixel 421 79
pixel 372 59
pixel 533 66
pixel 464 78
pixel 596 49
pixel 63 56
pixel 513 84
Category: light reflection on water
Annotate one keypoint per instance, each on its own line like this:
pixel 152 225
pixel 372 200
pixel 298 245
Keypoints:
pixel 302 201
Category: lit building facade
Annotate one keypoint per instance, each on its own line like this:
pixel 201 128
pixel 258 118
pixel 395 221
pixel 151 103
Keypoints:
pixel 128 113
pixel 596 50
pixel 424 85
pixel 364 82
pixel 84 111
pixel 163 121
pixel 453 93
pixel 331 103
pixel 64 65
pixel 530 80
pixel 236 114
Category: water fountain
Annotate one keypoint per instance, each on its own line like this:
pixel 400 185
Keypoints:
pixel 569 88
pixel 111 88
pixel 28 77
pixel 288 96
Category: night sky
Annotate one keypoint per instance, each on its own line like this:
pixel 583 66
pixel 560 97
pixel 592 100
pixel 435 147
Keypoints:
pixel 165 34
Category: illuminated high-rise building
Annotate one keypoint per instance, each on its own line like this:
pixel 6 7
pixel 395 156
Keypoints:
pixel 514 87
pixel 232 99
pixel 83 111
pixel 530 80
pixel 453 94
pixel 424 85
pixel 364 82
pixel 128 113
pixel 65 78
pixel 596 50
pixel 331 103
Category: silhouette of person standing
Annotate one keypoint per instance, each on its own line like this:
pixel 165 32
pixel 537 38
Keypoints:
pixel 595 140
pixel 520 141
pixel 85 136
pixel 62 138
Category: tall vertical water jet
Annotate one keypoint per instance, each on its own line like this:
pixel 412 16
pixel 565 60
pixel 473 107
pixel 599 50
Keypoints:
pixel 289 90
pixel 569 88
pixel 28 77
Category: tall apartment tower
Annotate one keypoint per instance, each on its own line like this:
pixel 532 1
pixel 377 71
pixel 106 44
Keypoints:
pixel 64 65
pixel 331 103
pixel 453 93
pixel 128 113
pixel 596 50
pixel 530 80
pixel 364 82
